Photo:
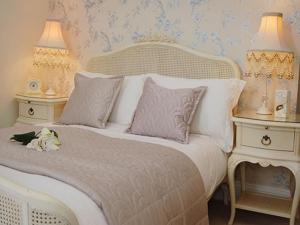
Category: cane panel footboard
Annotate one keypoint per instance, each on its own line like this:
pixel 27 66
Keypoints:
pixel 21 206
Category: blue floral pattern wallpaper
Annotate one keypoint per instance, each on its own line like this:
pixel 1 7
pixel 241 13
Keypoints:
pixel 219 27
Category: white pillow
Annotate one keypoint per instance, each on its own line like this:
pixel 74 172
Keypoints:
pixel 214 114
pixel 130 93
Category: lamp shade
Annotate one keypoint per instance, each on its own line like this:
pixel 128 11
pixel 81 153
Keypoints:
pixel 270 34
pixel 52 36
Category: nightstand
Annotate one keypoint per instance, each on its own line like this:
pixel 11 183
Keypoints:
pixel 266 141
pixel 39 109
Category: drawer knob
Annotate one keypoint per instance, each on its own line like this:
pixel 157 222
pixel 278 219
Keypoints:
pixel 266 140
pixel 31 112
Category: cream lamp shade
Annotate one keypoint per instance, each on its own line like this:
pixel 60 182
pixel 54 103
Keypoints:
pixel 269 55
pixel 270 34
pixel 51 53
pixel 52 36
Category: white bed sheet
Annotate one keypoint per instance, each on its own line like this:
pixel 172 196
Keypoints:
pixel 202 150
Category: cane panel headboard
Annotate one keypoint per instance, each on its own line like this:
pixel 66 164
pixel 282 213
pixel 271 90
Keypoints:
pixel 165 59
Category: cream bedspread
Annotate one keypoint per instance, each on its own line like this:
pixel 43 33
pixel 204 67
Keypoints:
pixel 133 182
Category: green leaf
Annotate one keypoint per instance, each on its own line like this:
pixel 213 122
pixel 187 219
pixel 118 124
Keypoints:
pixel 55 133
pixel 24 138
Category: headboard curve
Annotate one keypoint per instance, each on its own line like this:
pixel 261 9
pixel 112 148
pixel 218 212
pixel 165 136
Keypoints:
pixel 165 59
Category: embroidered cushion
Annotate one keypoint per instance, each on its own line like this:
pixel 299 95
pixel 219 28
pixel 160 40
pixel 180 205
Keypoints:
pixel 165 113
pixel 91 101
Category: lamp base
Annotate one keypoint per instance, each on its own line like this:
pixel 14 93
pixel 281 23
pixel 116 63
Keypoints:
pixel 264 110
pixel 50 92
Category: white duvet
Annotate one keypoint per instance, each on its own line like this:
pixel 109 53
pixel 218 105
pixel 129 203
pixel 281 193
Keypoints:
pixel 202 150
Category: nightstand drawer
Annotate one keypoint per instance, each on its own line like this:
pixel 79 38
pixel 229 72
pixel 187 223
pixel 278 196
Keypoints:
pixel 281 139
pixel 31 110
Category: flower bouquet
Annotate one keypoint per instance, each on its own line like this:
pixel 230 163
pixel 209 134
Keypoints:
pixel 45 140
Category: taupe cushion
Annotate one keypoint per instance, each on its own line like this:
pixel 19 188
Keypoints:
pixel 91 101
pixel 166 113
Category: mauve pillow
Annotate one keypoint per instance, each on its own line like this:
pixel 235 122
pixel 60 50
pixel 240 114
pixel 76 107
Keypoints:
pixel 128 98
pixel 91 101
pixel 165 113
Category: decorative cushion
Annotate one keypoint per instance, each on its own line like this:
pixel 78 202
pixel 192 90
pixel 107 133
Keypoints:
pixel 165 113
pixel 91 101
pixel 130 93
pixel 214 114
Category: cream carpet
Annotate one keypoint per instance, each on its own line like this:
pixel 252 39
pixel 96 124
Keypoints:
pixel 219 215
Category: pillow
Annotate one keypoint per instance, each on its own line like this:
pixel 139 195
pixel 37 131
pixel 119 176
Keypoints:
pixel 214 114
pixel 91 101
pixel 165 113
pixel 130 93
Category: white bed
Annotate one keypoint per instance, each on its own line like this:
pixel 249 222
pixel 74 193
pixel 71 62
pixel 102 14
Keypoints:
pixel 207 156
pixel 20 189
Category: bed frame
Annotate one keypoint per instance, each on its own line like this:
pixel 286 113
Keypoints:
pixel 166 59
pixel 21 206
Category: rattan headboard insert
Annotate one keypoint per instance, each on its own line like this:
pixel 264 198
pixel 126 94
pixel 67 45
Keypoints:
pixel 165 59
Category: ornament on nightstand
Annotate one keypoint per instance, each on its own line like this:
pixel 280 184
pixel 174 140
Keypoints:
pixel 33 87
pixel 282 103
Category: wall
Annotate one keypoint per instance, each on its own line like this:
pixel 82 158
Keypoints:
pixel 213 26
pixel 21 23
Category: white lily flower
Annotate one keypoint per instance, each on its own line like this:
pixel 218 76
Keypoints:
pixel 52 143
pixel 47 141
pixel 46 133
pixel 35 144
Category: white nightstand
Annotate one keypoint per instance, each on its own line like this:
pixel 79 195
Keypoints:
pixel 266 141
pixel 39 109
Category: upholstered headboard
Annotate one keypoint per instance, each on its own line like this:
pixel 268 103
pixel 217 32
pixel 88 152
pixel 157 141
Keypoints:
pixel 165 59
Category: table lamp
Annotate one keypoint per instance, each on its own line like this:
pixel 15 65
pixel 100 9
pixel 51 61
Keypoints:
pixel 51 51
pixel 269 57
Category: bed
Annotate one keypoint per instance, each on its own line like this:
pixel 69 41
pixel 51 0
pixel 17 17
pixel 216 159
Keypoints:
pixel 33 199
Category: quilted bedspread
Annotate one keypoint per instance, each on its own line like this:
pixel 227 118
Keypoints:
pixel 134 183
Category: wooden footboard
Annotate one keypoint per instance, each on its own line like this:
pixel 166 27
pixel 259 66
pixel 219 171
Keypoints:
pixel 21 206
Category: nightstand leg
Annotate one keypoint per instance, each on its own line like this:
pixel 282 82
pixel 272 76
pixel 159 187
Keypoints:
pixel 243 176
pixel 295 199
pixel 231 171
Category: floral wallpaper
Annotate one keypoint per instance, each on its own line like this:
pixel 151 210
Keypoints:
pixel 219 27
